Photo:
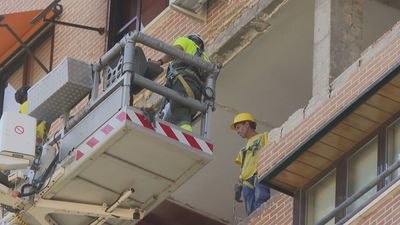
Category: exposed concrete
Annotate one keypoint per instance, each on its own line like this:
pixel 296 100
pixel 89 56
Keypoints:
pixel 275 134
pixel 337 40
pixel 391 3
pixel 366 56
pixel 346 32
pixel 243 31
pixel 322 43
pixel 314 103
pixel 295 119
pixel 342 80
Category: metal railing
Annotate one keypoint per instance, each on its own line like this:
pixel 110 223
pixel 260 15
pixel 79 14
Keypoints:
pixel 357 195
pixel 127 46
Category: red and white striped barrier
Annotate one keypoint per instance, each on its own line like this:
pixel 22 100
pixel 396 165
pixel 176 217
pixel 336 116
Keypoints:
pixel 162 128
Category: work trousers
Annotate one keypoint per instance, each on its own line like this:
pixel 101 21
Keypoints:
pixel 179 113
pixel 255 196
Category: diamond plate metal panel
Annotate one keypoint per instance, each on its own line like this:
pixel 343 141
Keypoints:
pixel 60 90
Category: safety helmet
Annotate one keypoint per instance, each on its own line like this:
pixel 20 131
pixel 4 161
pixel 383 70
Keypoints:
pixel 196 38
pixel 21 95
pixel 241 117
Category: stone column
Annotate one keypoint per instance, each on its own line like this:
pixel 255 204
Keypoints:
pixel 337 40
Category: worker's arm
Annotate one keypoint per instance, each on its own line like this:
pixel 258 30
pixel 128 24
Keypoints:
pixel 165 58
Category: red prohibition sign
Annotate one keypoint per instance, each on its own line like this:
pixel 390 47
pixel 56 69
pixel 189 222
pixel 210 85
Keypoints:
pixel 19 129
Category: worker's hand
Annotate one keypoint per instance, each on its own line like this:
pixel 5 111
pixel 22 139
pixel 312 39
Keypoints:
pixel 149 114
pixel 238 192
pixel 158 62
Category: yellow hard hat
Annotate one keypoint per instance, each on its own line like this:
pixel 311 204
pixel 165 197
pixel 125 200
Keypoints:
pixel 241 117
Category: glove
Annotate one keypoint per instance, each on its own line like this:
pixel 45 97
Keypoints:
pixel 238 192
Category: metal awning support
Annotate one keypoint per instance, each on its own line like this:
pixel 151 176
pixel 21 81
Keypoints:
pixel 54 6
pixel 24 45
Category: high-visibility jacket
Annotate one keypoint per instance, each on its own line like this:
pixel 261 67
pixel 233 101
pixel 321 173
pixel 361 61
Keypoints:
pixel 247 157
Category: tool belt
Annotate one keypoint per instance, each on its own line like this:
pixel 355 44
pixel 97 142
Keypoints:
pixel 248 183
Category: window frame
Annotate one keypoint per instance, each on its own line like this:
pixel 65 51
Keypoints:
pixel 341 167
pixel 113 9
pixel 327 175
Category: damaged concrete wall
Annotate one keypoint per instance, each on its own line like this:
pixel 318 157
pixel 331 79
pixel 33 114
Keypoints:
pixel 373 63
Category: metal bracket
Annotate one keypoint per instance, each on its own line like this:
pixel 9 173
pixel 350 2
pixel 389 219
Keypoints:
pixel 100 30
pixel 54 6
pixel 115 205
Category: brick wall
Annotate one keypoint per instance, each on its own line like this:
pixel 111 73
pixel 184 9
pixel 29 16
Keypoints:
pixel 383 210
pixel 221 14
pixel 16 79
pixel 278 210
pixel 42 52
pixel 374 62
pixel 388 213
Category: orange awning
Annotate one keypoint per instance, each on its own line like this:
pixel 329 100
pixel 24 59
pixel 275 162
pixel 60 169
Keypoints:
pixel 20 23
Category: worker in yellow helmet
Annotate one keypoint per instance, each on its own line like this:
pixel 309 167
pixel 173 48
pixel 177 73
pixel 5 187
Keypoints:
pixel 21 96
pixel 184 78
pixel 254 193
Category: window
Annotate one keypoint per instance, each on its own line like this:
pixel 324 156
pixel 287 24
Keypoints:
pixel 130 15
pixel 393 146
pixel 351 174
pixel 24 70
pixel 321 199
pixel 362 168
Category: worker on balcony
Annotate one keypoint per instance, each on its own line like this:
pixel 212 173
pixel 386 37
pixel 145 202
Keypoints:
pixel 254 193
pixel 21 97
pixel 184 78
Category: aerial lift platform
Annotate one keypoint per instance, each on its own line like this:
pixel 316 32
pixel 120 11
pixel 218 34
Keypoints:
pixel 109 164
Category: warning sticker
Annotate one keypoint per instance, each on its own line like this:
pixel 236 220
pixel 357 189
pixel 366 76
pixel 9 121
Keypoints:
pixel 19 129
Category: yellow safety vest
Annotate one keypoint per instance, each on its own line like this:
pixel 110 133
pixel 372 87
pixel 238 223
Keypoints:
pixel 247 157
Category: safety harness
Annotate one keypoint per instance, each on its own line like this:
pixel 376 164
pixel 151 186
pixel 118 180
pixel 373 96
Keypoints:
pixel 255 146
pixel 178 69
